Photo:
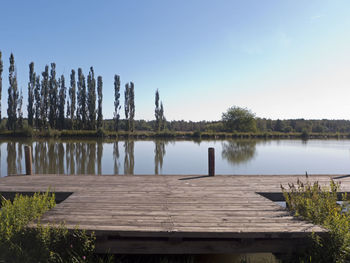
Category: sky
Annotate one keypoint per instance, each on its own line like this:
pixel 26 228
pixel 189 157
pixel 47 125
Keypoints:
pixel 280 59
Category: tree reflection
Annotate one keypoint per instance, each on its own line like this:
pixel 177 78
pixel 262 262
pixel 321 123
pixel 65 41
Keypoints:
pixel 99 156
pixel 159 153
pixel 238 151
pixel 129 160
pixel 116 157
pixel 11 158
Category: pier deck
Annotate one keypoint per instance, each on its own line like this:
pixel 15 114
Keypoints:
pixel 177 213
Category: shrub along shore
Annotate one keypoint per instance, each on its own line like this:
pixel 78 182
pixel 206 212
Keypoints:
pixel 100 133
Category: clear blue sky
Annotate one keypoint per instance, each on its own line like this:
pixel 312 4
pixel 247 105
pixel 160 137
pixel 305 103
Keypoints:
pixel 281 59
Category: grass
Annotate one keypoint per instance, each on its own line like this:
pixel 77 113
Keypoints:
pixel 21 243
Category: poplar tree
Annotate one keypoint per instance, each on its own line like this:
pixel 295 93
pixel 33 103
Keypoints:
pixel 12 96
pixel 31 87
pixel 162 118
pixel 1 70
pixel 81 98
pixel 44 106
pixel 37 102
pixel 99 109
pixel 127 106
pixel 53 97
pixel 72 96
pixel 132 106
pixel 91 99
pixel 159 114
pixel 61 104
pixel 157 111
pixel 117 105
pixel 19 110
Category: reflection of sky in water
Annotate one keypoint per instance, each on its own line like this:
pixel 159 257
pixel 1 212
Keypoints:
pixel 188 157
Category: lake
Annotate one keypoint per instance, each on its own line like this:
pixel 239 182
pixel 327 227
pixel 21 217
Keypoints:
pixel 52 156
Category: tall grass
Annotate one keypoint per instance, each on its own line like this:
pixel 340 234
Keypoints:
pixel 318 204
pixel 21 243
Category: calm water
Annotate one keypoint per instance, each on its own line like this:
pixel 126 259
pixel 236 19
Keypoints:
pixel 177 157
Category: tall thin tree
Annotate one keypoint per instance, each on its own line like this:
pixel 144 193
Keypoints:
pixel 157 111
pixel 37 97
pixel 44 97
pixel 117 105
pixel 81 98
pixel 12 96
pixel 91 99
pixel 20 111
pixel 72 97
pixel 132 107
pixel 53 97
pixel 127 106
pixel 31 87
pixel 162 117
pixel 61 103
pixel 99 109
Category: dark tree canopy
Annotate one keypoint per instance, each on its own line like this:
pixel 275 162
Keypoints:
pixel 53 97
pixel 61 102
pixel 100 97
pixel 132 107
pixel 239 119
pixel 31 87
pixel 72 97
pixel 117 105
pixel 44 96
pixel 37 97
pixel 12 96
pixel 91 100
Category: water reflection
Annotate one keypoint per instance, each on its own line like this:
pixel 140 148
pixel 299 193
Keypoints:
pixel 159 153
pixel 129 159
pixel 68 156
pixel 238 151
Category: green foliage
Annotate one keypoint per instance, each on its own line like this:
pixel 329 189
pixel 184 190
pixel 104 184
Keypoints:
pixel 91 100
pixel 157 111
pixel 61 102
pixel 12 96
pixel 239 119
pixel 72 97
pixel 132 107
pixel 37 97
pixel 19 111
pixel 99 107
pixel 101 133
pixel 117 105
pixel 31 87
pixel 44 105
pixel 81 98
pixel 318 205
pixel 20 243
pixel 305 134
pixel 53 97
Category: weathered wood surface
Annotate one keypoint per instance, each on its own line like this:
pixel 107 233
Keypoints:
pixel 124 211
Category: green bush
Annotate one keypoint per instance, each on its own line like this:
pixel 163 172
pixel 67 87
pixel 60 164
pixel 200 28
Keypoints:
pixel 38 243
pixel 101 133
pixel 319 206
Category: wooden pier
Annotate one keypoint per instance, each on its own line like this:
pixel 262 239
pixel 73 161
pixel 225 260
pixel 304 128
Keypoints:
pixel 176 213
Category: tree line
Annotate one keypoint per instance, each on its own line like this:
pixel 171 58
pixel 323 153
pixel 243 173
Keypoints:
pixel 49 105
pixel 78 106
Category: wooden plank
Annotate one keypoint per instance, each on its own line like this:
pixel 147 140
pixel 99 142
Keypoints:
pixel 176 206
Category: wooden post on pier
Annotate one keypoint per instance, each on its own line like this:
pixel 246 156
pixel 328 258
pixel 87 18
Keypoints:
pixel 28 159
pixel 211 161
